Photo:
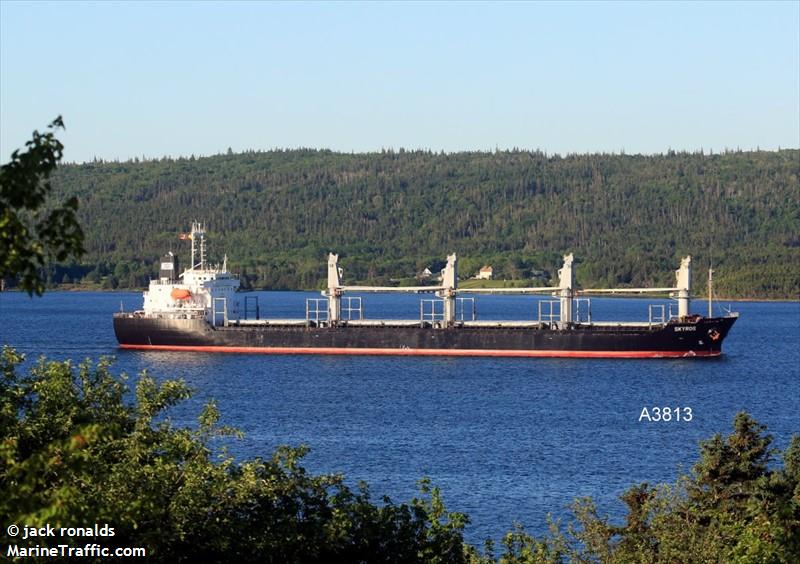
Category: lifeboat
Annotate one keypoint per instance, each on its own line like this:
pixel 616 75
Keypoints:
pixel 180 294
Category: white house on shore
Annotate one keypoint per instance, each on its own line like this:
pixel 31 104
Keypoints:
pixel 484 273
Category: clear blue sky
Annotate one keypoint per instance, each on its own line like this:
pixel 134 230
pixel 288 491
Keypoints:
pixel 155 79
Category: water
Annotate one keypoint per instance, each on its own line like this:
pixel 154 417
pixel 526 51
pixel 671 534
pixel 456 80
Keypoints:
pixel 505 439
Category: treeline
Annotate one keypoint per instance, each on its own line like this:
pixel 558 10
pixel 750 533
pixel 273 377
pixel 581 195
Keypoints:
pixel 627 218
pixel 78 447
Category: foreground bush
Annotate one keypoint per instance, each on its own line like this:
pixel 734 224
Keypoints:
pixel 75 452
pixel 738 505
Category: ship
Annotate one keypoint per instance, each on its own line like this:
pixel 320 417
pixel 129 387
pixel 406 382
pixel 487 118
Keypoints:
pixel 203 309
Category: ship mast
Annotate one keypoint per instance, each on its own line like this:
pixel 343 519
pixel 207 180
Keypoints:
pixel 198 232
pixel 202 253
pixel 710 277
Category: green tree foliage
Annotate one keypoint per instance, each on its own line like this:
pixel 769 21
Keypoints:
pixel 73 451
pixel 627 218
pixel 32 230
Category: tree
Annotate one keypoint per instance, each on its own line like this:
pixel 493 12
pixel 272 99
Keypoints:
pixel 74 449
pixel 32 230
pixel 728 467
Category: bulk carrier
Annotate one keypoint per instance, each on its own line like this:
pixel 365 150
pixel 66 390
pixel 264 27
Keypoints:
pixel 203 310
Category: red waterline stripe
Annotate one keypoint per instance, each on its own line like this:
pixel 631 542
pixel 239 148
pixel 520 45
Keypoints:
pixel 426 352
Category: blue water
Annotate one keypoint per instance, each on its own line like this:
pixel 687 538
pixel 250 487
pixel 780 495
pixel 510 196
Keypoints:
pixel 505 439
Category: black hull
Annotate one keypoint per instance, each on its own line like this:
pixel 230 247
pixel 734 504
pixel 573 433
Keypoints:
pixel 700 338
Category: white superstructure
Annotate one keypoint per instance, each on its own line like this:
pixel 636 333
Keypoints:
pixel 201 290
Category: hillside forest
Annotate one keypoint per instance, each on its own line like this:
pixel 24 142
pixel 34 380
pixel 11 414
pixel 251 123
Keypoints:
pixel 390 215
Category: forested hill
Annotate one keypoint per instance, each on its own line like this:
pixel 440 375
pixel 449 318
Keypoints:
pixel 627 218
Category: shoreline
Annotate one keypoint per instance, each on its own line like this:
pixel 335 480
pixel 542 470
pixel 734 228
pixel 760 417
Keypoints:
pixel 633 296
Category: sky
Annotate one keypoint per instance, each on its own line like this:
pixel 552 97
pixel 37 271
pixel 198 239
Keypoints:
pixel 152 79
